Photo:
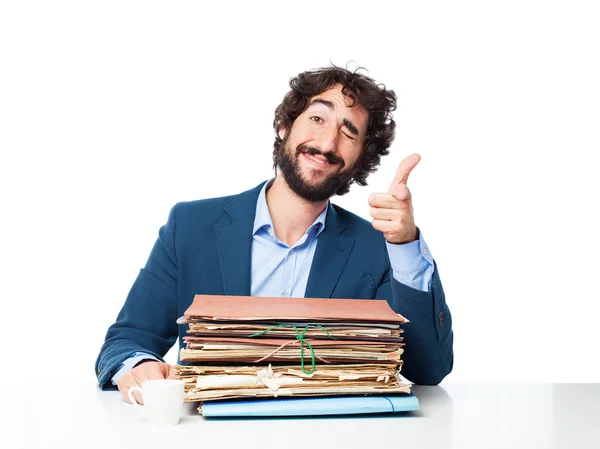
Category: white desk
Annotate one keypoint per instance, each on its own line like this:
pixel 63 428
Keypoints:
pixel 453 416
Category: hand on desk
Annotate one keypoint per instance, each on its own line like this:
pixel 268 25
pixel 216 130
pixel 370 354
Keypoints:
pixel 146 370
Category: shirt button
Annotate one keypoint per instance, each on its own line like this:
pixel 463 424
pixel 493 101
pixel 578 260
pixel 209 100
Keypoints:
pixel 291 251
pixel 441 318
pixel 424 251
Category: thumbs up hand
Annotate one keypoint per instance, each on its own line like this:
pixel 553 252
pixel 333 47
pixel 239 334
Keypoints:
pixel 392 212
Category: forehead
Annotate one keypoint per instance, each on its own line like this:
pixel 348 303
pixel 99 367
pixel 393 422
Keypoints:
pixel 342 104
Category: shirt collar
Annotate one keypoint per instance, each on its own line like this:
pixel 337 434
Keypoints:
pixel 262 218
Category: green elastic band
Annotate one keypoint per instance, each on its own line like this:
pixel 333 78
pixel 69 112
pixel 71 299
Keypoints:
pixel 299 337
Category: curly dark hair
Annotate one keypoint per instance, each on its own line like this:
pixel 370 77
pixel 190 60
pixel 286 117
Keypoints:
pixel 375 98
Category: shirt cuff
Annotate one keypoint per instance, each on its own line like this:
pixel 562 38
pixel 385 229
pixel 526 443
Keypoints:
pixel 130 363
pixel 412 263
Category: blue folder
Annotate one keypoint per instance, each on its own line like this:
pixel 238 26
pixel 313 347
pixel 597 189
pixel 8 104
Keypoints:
pixel 331 405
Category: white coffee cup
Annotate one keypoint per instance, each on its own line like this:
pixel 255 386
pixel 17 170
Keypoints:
pixel 163 400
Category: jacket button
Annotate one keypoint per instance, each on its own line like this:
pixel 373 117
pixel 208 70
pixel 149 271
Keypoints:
pixel 99 372
pixel 441 318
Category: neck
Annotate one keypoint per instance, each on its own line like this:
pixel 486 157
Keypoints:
pixel 291 215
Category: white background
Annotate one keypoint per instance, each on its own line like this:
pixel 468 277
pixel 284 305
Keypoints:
pixel 111 112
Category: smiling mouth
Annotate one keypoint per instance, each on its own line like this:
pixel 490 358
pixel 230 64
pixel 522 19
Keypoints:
pixel 319 159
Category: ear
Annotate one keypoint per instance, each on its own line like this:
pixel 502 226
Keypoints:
pixel 282 132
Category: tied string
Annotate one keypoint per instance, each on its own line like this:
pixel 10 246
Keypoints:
pixel 299 340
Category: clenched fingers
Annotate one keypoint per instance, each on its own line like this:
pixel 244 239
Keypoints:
pixel 384 225
pixel 388 201
pixel 125 382
pixel 380 213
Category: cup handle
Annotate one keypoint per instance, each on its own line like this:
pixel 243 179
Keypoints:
pixel 132 397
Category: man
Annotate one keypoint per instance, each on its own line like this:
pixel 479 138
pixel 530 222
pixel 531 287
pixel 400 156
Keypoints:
pixel 284 238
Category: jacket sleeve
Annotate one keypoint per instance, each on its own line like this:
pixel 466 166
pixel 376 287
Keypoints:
pixel 428 355
pixel 147 321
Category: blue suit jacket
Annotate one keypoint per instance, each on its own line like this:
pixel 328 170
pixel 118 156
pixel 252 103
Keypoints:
pixel 205 248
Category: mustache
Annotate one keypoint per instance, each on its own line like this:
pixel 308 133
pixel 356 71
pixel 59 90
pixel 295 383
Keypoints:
pixel 331 158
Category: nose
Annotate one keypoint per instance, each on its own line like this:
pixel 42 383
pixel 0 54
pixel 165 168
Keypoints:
pixel 326 140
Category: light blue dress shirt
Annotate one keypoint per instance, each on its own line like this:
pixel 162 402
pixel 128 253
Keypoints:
pixel 282 270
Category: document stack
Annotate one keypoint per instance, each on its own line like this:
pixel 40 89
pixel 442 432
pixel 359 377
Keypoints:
pixel 251 348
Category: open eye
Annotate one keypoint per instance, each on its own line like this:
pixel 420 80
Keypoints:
pixel 316 119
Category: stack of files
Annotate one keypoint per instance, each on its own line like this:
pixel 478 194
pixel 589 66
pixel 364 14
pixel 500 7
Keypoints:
pixel 247 350
pixel 241 347
pixel 208 383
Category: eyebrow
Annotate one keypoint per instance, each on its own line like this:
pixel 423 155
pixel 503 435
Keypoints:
pixel 329 104
pixel 347 123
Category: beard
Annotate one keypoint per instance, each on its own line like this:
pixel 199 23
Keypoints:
pixel 289 164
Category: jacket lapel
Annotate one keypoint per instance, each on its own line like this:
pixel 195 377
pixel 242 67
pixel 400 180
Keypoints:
pixel 234 242
pixel 331 256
